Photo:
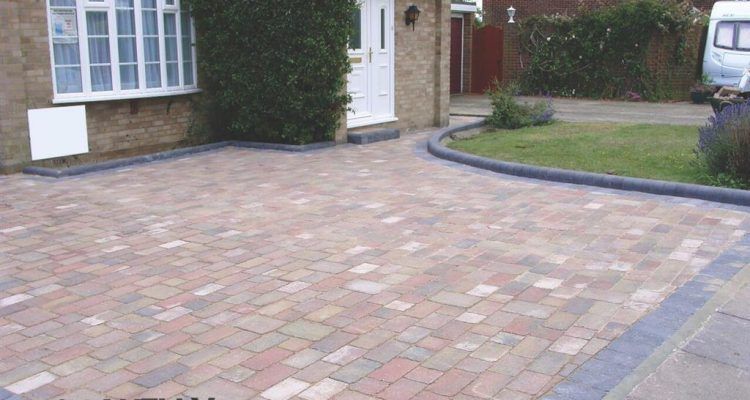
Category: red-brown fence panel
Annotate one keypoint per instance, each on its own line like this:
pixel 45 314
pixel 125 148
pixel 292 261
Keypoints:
pixel 457 45
pixel 487 62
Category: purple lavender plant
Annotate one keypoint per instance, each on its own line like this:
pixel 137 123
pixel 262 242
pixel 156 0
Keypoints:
pixel 724 143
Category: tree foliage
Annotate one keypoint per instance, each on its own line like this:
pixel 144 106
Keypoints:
pixel 603 52
pixel 274 71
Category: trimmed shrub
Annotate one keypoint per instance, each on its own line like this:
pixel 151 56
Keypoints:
pixel 274 72
pixel 724 145
pixel 602 53
pixel 507 113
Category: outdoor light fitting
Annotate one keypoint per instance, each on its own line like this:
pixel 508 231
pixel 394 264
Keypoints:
pixel 511 15
pixel 412 16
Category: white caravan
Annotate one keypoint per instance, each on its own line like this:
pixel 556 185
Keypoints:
pixel 728 43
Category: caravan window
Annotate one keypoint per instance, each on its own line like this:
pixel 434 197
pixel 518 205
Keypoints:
pixel 725 35
pixel 743 36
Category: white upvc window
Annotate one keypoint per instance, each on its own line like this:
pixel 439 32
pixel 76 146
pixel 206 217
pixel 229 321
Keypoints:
pixel 120 49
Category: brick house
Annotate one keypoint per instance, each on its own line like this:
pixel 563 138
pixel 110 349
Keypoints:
pixel 91 80
pixel 495 14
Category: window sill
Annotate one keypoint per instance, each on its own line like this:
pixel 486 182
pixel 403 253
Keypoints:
pixel 133 96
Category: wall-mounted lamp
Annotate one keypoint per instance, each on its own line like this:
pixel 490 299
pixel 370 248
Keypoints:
pixel 511 15
pixel 412 16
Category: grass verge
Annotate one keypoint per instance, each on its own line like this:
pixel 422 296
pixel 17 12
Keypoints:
pixel 663 152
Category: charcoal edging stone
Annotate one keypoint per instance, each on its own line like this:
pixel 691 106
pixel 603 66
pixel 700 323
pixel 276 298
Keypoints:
pixel 436 147
pixel 165 155
pixel 369 137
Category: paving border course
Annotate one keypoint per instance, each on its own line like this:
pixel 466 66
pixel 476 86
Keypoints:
pixel 125 162
pixel 436 147
pixel 604 372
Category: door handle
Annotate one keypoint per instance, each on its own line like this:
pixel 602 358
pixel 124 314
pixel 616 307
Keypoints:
pixel 370 55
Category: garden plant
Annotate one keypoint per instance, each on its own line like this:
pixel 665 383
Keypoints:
pixel 603 53
pixel 724 147
pixel 508 113
pixel 271 72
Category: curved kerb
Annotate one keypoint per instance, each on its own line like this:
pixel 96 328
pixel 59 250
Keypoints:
pixel 720 195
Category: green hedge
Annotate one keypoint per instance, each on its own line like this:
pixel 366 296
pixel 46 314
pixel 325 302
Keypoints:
pixel 274 71
pixel 603 53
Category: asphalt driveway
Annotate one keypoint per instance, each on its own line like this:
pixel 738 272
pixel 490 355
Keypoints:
pixel 575 110
pixel 351 272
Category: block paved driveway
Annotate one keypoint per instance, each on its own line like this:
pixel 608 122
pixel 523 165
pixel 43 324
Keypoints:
pixel 349 273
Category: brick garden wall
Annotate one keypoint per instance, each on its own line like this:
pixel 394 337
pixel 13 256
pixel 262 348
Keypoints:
pixel 496 10
pixel 679 79
pixel 114 129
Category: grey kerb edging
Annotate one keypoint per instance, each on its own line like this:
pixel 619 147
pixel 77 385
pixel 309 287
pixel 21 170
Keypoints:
pixel 124 162
pixel 720 195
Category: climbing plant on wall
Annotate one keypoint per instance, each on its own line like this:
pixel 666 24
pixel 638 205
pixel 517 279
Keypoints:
pixel 274 71
pixel 603 53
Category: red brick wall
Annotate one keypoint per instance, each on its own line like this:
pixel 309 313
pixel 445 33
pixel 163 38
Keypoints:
pixel 704 5
pixel 679 79
pixel 496 10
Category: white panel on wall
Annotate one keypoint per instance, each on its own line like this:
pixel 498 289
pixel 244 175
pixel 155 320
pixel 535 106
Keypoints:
pixel 57 132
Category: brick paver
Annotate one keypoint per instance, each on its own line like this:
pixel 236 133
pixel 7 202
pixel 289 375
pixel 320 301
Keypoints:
pixel 353 272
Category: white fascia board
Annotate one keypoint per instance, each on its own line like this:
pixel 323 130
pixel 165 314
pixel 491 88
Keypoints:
pixel 463 8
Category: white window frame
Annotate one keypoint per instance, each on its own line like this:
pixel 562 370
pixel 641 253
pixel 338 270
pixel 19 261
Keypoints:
pixel 87 95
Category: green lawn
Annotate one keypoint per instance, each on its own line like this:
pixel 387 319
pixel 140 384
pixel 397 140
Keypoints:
pixel 662 152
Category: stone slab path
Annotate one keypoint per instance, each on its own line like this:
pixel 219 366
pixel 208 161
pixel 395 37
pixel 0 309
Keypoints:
pixel 581 110
pixel 347 273
pixel 714 363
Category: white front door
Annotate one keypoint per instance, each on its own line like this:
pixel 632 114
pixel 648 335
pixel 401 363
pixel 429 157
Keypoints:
pixel 371 54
